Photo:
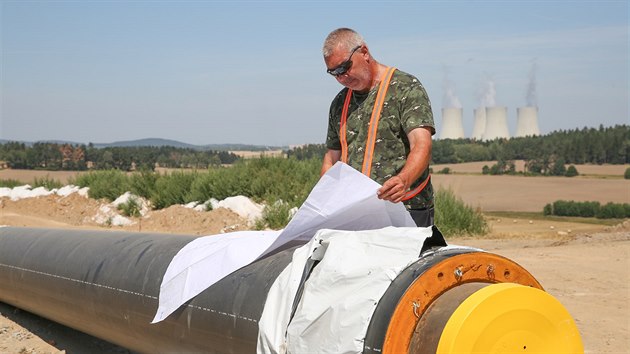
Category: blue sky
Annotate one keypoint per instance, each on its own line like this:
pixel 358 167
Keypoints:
pixel 251 72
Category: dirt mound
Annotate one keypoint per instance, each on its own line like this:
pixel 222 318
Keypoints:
pixel 72 210
pixel 182 220
pixel 75 211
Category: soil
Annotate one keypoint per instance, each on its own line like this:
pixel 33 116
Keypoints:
pixel 585 266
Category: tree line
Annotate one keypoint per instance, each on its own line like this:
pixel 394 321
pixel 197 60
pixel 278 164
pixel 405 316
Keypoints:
pixel 543 154
pixel 53 156
pixel 601 145
pixel 610 145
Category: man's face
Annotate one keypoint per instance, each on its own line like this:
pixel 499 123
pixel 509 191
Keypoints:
pixel 350 68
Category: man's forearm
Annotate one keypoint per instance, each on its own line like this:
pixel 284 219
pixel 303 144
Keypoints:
pixel 418 160
pixel 330 158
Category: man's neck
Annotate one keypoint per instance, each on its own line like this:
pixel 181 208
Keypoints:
pixel 377 71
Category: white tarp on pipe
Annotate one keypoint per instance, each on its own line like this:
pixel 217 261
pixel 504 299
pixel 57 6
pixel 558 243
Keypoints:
pixel 341 294
pixel 343 199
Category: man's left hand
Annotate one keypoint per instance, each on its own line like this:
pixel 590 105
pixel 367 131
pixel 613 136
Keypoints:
pixel 393 190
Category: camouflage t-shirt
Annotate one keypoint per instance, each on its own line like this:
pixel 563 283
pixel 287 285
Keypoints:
pixel 406 107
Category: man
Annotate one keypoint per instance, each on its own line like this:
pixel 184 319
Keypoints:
pixel 381 124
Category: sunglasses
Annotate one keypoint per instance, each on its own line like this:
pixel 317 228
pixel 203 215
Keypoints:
pixel 343 67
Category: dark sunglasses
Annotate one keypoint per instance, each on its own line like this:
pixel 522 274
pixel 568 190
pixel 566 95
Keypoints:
pixel 345 66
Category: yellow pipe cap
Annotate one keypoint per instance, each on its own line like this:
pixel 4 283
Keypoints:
pixel 510 318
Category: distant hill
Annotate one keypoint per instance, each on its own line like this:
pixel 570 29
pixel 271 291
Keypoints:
pixel 158 142
pixel 167 142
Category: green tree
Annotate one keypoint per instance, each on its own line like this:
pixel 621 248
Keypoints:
pixel 558 169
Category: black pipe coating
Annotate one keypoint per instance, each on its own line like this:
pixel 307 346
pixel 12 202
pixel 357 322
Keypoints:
pixel 107 284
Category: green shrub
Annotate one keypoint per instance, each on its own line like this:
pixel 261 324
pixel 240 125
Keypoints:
pixel 571 171
pixel 445 171
pixel 548 210
pixel 10 183
pixel 588 209
pixel 143 183
pixel 275 216
pixel 453 217
pixel 108 184
pixel 173 188
pixel 46 182
pixel 267 179
pixel 611 211
pixel 131 207
pixel 626 174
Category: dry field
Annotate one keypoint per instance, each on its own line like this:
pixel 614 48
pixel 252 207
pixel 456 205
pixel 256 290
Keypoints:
pixel 587 169
pixel 256 154
pixel 27 176
pixel 585 266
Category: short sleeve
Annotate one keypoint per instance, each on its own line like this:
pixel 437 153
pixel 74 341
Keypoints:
pixel 334 118
pixel 415 105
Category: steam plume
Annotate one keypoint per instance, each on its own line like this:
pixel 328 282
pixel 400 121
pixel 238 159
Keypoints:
pixel 449 99
pixel 530 96
pixel 487 97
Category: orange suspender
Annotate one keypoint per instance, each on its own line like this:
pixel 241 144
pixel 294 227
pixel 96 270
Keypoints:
pixel 373 127
pixel 376 116
pixel 412 193
pixel 342 128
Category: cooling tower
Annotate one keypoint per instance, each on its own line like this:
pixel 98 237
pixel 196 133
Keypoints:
pixel 496 123
pixel 452 125
pixel 527 121
pixel 480 123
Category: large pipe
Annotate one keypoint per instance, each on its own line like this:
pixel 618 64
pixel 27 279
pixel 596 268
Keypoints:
pixel 107 283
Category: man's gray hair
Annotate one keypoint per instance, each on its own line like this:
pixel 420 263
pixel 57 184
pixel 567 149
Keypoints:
pixel 347 38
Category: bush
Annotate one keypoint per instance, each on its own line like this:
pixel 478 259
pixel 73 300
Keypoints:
pixel 131 207
pixel 611 211
pixel 10 183
pixel 626 174
pixel 275 216
pixel 266 179
pixel 143 183
pixel 108 184
pixel 445 171
pixel 571 208
pixel 46 182
pixel 571 171
pixel 453 217
pixel 173 188
pixel 588 209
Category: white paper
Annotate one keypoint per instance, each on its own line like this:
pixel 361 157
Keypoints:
pixel 343 199
pixel 341 294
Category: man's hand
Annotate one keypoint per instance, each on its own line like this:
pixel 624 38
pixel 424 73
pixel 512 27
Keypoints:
pixel 393 189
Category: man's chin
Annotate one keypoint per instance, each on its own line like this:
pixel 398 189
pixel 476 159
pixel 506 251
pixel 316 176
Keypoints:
pixel 355 85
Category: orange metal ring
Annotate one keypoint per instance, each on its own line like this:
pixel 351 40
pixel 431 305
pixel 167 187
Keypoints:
pixel 451 272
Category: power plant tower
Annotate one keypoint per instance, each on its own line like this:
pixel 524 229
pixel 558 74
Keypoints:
pixel 480 123
pixel 496 123
pixel 452 125
pixel 527 121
